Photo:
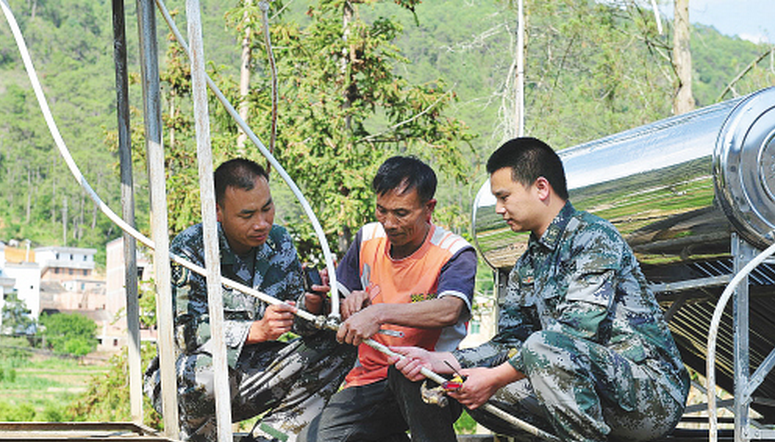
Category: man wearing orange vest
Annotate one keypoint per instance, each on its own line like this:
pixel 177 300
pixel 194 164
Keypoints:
pixel 410 282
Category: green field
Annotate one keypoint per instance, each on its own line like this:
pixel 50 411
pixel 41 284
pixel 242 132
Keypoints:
pixel 36 386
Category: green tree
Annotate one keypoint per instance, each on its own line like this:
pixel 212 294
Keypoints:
pixel 16 315
pixel 72 334
pixel 344 109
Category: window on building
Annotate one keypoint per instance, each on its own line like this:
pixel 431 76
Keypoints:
pixel 115 342
pixel 71 271
pixel 85 272
pixel 475 327
pixel 56 270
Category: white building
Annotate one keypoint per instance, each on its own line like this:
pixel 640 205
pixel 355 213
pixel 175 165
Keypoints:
pixel 26 277
pixel 115 289
pixel 65 263
pixel 19 275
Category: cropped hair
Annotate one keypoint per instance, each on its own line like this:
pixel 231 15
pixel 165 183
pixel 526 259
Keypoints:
pixel 239 173
pixel 530 158
pixel 405 173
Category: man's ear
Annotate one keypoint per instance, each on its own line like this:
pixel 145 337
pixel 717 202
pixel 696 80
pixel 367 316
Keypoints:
pixel 543 188
pixel 218 214
pixel 430 205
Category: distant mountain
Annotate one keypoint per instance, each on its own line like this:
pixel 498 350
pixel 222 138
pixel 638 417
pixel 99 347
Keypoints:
pixel 591 71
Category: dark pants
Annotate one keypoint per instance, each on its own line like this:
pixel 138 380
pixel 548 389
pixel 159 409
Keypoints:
pixel 288 382
pixel 382 411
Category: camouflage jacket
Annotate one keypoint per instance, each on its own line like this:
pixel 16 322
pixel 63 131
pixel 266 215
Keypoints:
pixel 274 270
pixel 582 279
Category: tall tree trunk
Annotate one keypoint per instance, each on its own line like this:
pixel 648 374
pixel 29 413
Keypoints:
pixel 345 235
pixel 64 223
pixel 172 116
pixel 347 56
pixel 519 80
pixel 95 208
pixel 29 195
pixel 78 231
pixel 244 78
pixel 682 59
pixel 52 172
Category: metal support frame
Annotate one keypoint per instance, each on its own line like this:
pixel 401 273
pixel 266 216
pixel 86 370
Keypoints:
pixel 210 226
pixel 128 212
pixel 745 383
pixel 161 257
pixel 741 253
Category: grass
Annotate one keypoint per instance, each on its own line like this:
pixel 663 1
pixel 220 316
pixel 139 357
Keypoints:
pixel 38 388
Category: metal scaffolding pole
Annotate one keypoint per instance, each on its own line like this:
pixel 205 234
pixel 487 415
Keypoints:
pixel 128 212
pixel 209 222
pixel 161 257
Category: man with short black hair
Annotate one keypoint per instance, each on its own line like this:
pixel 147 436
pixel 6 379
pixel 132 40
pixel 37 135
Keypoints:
pixel 288 381
pixel 582 350
pixel 410 282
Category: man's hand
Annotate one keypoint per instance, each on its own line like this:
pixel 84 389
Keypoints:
pixel 315 297
pixel 277 320
pixel 414 360
pixel 481 383
pixel 360 326
pixel 356 301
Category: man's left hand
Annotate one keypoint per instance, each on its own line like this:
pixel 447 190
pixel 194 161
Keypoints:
pixel 481 383
pixel 315 299
pixel 360 326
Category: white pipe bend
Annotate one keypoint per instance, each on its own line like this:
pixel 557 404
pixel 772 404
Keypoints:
pixel 710 368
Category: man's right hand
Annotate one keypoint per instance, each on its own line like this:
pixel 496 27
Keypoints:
pixel 277 320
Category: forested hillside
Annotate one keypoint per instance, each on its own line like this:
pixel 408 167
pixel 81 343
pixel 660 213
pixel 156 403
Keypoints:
pixel 431 82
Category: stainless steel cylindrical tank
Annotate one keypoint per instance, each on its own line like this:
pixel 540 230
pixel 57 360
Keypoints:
pixel 676 189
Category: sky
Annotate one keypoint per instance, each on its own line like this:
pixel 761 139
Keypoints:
pixel 752 20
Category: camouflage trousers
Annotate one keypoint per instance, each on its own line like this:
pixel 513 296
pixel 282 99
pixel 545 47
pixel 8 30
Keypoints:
pixel 289 382
pixel 581 391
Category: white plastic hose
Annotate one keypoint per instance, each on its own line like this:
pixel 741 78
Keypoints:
pixel 710 368
pixel 244 126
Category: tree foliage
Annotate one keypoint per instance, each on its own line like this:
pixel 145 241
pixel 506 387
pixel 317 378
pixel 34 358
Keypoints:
pixel 107 396
pixel 16 315
pixel 403 81
pixel 72 334
pixel 41 202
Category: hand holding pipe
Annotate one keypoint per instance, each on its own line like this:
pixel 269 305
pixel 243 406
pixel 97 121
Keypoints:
pixel 490 408
pixel 319 321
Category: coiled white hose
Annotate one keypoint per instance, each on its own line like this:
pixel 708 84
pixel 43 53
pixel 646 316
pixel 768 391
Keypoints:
pixel 63 150
pixel 104 208
pixel 710 361
pixel 244 126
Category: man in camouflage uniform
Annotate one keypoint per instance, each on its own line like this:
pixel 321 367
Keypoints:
pixel 582 349
pixel 288 381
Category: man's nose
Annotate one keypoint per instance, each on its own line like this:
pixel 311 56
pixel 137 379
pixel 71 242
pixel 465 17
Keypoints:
pixel 260 223
pixel 389 221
